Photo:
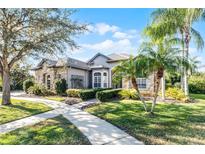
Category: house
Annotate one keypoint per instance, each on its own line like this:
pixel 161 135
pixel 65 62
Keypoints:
pixel 95 73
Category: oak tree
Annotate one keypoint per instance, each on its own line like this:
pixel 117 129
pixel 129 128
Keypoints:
pixel 33 32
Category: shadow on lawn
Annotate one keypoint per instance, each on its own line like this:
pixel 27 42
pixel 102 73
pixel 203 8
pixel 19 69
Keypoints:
pixel 27 109
pixel 172 123
pixel 56 131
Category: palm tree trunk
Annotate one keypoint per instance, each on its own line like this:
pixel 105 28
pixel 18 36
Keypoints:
pixel 155 96
pixel 160 74
pixel 163 87
pixel 182 66
pixel 186 88
pixel 135 86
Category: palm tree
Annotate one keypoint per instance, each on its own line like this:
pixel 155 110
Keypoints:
pixel 178 21
pixel 161 56
pixel 193 64
pixel 130 70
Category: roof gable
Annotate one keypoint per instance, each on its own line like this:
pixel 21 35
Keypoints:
pixel 97 55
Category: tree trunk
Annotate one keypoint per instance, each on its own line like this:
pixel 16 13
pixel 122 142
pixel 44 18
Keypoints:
pixel 135 86
pixel 6 85
pixel 186 88
pixel 182 67
pixel 160 74
pixel 163 87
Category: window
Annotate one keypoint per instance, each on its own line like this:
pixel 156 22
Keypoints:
pixel 77 81
pixel 142 83
pixel 48 81
pixel 44 78
pixel 59 76
pixel 97 80
pixel 105 80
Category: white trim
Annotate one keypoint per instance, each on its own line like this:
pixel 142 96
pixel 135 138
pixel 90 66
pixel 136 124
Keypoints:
pixel 93 77
pixel 110 78
pixel 102 77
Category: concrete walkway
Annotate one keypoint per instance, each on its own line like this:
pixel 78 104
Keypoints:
pixel 98 131
pixel 7 127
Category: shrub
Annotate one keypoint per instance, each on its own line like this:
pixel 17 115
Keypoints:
pixel 128 94
pixel 39 90
pixel 73 92
pixel 34 90
pixel 106 95
pixel 197 84
pixel 60 86
pixel 90 93
pixel 175 93
pixel 26 84
pixel 177 85
pixel 71 101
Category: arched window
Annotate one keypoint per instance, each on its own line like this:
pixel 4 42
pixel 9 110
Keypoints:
pixel 97 80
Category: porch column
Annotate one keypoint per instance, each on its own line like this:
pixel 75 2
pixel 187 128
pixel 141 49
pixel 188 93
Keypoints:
pixel 102 79
pixel 163 87
pixel 110 78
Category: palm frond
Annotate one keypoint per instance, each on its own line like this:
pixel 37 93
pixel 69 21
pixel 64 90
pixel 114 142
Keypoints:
pixel 197 38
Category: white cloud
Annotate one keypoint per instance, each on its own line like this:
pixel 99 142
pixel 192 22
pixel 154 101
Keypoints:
pixel 132 31
pixel 129 34
pixel 103 28
pixel 120 35
pixel 109 46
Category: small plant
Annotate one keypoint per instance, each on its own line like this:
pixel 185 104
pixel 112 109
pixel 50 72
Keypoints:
pixel 106 95
pixel 73 92
pixel 27 84
pixel 60 86
pixel 34 90
pixel 177 85
pixel 128 94
pixel 175 93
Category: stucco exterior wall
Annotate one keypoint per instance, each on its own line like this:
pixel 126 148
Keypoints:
pixel 53 72
pixel 149 84
pixel 74 71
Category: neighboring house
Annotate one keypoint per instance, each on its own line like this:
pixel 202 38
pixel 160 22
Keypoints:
pixel 96 73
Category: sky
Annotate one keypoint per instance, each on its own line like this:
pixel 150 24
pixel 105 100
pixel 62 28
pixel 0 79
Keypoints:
pixel 117 31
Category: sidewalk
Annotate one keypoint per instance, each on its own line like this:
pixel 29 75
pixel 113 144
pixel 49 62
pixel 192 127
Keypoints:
pixel 98 131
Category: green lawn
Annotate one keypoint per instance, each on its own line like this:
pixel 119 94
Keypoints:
pixel 20 109
pixel 172 124
pixel 56 98
pixel 198 96
pixel 52 131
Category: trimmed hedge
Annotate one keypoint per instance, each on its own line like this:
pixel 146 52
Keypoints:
pixel 90 93
pixel 197 84
pixel 73 92
pixel 106 95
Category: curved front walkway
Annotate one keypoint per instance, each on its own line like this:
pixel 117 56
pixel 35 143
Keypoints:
pixel 98 131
